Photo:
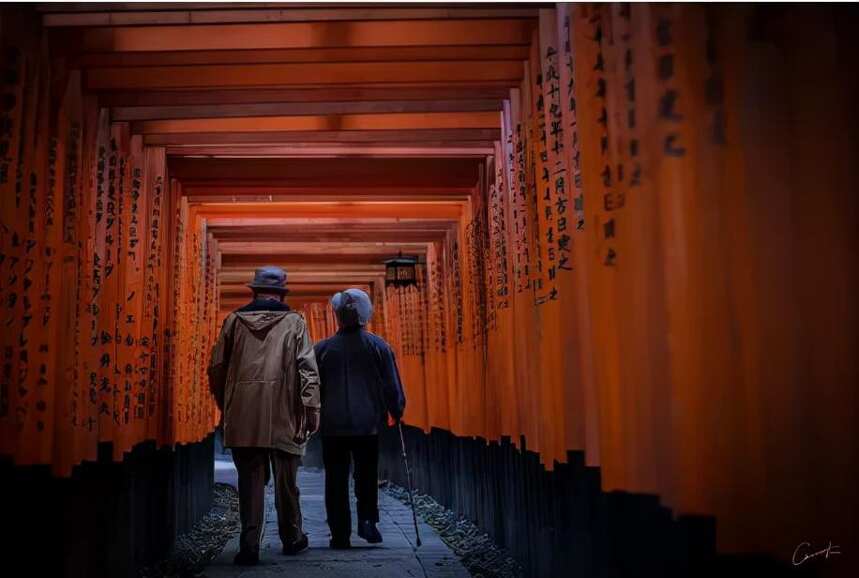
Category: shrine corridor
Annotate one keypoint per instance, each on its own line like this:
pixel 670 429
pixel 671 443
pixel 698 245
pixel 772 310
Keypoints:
pixel 632 344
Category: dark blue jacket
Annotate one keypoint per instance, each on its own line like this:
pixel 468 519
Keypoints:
pixel 359 383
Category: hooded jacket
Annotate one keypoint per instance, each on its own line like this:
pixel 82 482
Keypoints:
pixel 360 382
pixel 263 374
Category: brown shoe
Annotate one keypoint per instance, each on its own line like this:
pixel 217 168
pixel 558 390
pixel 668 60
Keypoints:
pixel 246 559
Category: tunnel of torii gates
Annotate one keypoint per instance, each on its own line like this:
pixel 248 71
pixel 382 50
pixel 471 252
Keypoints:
pixel 635 225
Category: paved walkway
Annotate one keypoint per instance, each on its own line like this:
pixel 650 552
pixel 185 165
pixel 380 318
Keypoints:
pixel 395 558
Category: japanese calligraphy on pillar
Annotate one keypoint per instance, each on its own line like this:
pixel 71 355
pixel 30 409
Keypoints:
pixel 541 194
pixel 572 149
pixel 623 173
pixel 150 340
pixel 49 243
pixel 116 202
pixel 106 217
pixel 20 244
pixel 70 186
pixel 629 148
pixel 32 247
pixel 713 84
pixel 521 209
pixel 72 270
pixel 669 110
pixel 500 283
pixel 456 280
pixel 97 383
pixel 491 264
pixel 137 357
pixel 554 172
pixel 439 308
pixel 82 282
pixel 12 88
pixel 610 200
pixel 475 240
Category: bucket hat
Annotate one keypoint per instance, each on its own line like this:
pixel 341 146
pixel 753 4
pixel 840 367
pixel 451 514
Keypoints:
pixel 269 278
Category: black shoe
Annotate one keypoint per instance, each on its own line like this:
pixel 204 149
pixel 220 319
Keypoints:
pixel 246 559
pixel 367 530
pixel 299 545
pixel 340 544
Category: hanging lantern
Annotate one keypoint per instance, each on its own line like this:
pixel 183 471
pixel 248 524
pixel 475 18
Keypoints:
pixel 400 271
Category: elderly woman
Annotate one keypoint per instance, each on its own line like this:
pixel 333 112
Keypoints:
pixel 359 383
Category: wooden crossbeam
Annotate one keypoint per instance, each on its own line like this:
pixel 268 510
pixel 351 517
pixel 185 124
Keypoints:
pixel 212 194
pixel 470 90
pixel 238 273
pixel 277 213
pixel 136 113
pixel 278 56
pixel 347 252
pixel 304 285
pixel 278 234
pixel 342 225
pixel 297 74
pixel 261 248
pixel 318 265
pixel 109 14
pixel 437 173
pixel 356 276
pixel 239 279
pixel 265 189
pixel 254 195
pixel 245 169
pixel 268 136
pixel 463 32
pixel 326 150
pixel 393 121
pixel 291 260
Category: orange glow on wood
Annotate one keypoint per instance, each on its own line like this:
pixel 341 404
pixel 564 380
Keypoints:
pixel 391 121
pixel 635 225
pixel 306 35
pixel 317 73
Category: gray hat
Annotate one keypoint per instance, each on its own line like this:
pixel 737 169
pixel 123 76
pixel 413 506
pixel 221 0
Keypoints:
pixel 269 278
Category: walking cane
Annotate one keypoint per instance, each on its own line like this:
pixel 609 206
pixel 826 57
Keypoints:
pixel 409 478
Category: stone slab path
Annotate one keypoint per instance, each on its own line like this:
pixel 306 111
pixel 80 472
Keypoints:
pixel 395 558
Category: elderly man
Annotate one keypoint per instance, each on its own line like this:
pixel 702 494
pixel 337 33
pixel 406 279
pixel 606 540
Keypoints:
pixel 360 382
pixel 264 378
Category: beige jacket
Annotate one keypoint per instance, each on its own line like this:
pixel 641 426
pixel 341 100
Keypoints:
pixel 263 374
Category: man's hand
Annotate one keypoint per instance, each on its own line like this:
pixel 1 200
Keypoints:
pixel 307 425
pixel 312 420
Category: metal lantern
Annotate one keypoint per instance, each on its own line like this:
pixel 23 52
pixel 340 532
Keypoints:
pixel 400 271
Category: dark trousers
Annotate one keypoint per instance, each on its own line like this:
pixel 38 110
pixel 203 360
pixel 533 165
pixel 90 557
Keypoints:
pixel 252 465
pixel 337 453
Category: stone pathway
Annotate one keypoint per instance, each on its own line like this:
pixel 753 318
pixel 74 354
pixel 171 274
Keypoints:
pixel 395 558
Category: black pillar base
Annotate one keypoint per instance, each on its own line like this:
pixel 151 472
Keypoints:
pixel 108 519
pixel 560 523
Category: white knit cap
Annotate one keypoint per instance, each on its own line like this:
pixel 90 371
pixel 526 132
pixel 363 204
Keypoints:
pixel 354 299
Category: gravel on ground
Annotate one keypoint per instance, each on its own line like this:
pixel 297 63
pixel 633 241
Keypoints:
pixel 477 551
pixel 204 542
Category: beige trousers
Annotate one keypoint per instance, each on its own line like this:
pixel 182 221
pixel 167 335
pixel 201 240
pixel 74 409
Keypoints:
pixel 252 465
